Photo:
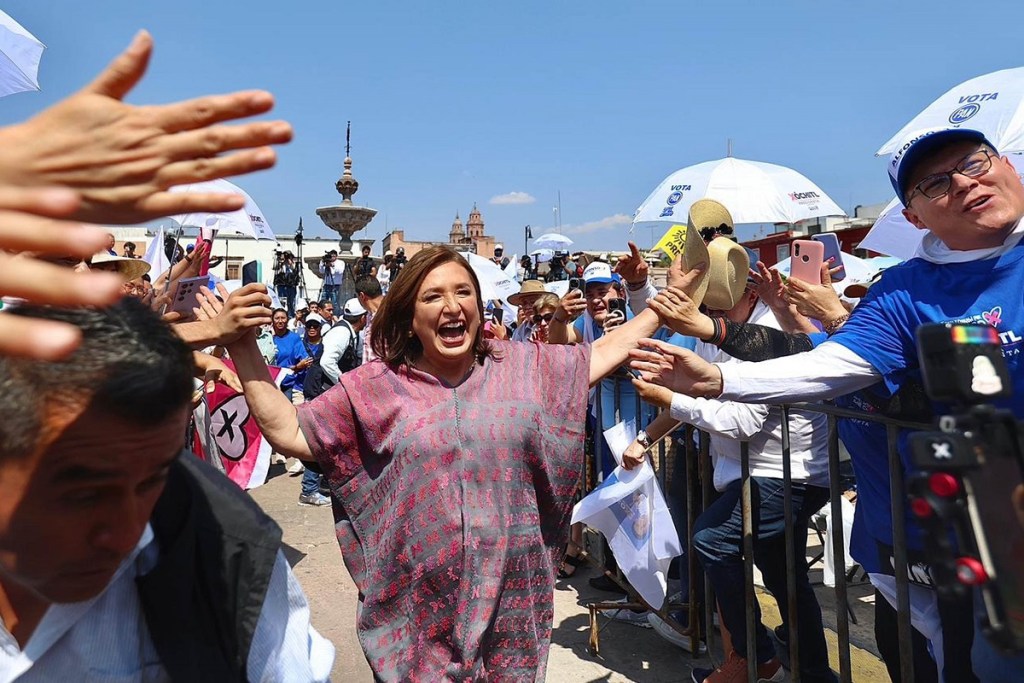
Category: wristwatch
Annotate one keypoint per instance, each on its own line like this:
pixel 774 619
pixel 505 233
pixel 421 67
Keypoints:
pixel 643 439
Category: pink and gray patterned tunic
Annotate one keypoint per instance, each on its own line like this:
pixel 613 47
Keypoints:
pixel 452 506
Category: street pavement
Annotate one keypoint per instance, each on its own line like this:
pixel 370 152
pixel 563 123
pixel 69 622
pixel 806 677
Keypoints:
pixel 627 652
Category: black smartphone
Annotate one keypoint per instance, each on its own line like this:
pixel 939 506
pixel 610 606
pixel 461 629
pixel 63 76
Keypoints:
pixel 576 283
pixel 498 314
pixel 252 272
pixel 617 305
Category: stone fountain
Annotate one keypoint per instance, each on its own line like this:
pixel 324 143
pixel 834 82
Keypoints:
pixel 345 219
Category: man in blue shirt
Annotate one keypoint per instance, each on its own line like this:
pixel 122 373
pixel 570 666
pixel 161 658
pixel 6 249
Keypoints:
pixel 969 269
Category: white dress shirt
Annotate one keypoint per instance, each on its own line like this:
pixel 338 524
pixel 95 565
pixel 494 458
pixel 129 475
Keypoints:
pixel 730 422
pixel 333 274
pixel 106 640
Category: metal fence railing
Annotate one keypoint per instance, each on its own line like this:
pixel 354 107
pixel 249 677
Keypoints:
pixel 690 458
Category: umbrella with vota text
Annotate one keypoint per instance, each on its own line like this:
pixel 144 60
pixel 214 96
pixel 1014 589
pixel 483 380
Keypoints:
pixel 752 191
pixel 992 103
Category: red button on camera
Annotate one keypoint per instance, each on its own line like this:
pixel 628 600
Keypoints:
pixel 944 485
pixel 921 508
pixel 970 572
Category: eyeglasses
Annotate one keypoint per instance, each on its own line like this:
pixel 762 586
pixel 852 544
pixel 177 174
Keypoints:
pixel 936 185
pixel 708 234
pixel 546 318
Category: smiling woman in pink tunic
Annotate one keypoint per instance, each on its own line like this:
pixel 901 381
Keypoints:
pixel 452 462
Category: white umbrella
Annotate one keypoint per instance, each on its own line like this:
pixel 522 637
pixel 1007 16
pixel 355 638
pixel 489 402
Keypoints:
pixel 20 52
pixel 494 282
pixel 893 234
pixel 753 191
pixel 552 240
pixel 249 220
pixel 991 103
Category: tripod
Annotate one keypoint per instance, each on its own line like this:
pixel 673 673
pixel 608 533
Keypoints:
pixel 299 262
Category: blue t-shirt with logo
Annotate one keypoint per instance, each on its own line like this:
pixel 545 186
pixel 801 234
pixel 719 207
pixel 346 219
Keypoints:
pixel 989 292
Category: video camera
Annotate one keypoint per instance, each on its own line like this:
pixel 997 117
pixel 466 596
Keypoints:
pixel 969 477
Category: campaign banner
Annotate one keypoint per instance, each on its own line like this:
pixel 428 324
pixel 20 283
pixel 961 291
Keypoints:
pixel 227 437
pixel 671 243
pixel 630 510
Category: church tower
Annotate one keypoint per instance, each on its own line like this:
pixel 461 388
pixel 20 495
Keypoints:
pixel 475 224
pixel 456 235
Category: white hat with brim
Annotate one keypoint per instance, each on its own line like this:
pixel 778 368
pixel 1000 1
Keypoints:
pixel 129 268
pixel 528 288
pixel 727 274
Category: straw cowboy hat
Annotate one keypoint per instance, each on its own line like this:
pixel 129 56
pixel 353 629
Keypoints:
pixel 528 287
pixel 129 268
pixel 722 284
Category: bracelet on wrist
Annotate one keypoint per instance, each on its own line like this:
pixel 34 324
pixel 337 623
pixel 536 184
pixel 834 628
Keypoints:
pixel 636 287
pixel 832 326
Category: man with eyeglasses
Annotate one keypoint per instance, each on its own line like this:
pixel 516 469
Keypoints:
pixel 969 269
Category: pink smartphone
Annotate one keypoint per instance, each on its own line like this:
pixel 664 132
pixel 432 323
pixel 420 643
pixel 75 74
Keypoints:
pixel 806 262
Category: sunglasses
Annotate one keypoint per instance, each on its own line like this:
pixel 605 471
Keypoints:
pixel 546 318
pixel 708 234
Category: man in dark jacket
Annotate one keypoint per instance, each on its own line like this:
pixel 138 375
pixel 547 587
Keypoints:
pixel 108 528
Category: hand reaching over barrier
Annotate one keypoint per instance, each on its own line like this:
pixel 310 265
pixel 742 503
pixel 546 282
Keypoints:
pixel 676 368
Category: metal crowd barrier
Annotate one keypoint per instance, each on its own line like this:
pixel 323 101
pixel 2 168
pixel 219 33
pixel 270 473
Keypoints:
pixel 697 467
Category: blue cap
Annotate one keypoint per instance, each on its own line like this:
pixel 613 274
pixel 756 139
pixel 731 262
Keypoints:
pixel 918 145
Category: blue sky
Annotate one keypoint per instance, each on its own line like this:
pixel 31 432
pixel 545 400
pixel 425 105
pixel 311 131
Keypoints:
pixel 456 103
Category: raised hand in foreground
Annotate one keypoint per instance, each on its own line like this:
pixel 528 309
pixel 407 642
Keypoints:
pixel 121 158
pixel 32 243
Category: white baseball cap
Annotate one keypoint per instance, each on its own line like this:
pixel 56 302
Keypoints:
pixel 598 272
pixel 353 309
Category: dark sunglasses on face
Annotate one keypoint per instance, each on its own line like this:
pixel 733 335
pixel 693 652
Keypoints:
pixel 546 318
pixel 708 234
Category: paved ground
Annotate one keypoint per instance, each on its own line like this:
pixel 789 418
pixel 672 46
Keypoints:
pixel 628 653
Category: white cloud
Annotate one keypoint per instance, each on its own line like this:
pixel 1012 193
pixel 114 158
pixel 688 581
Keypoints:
pixel 513 198
pixel 616 222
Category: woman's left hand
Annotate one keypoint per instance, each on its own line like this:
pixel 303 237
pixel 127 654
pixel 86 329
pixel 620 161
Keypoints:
pixel 215 370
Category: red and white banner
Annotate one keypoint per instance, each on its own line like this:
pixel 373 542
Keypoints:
pixel 226 435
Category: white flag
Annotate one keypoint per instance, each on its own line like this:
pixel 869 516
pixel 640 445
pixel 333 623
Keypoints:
pixel 629 509
pixel 156 257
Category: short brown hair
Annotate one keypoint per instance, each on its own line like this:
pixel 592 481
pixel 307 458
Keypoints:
pixel 546 300
pixel 391 335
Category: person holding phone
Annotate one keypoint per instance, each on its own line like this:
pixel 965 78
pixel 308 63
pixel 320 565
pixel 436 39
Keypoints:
pixel 585 316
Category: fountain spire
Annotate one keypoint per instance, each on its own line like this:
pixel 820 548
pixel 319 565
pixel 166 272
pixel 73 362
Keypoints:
pixel 346 218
